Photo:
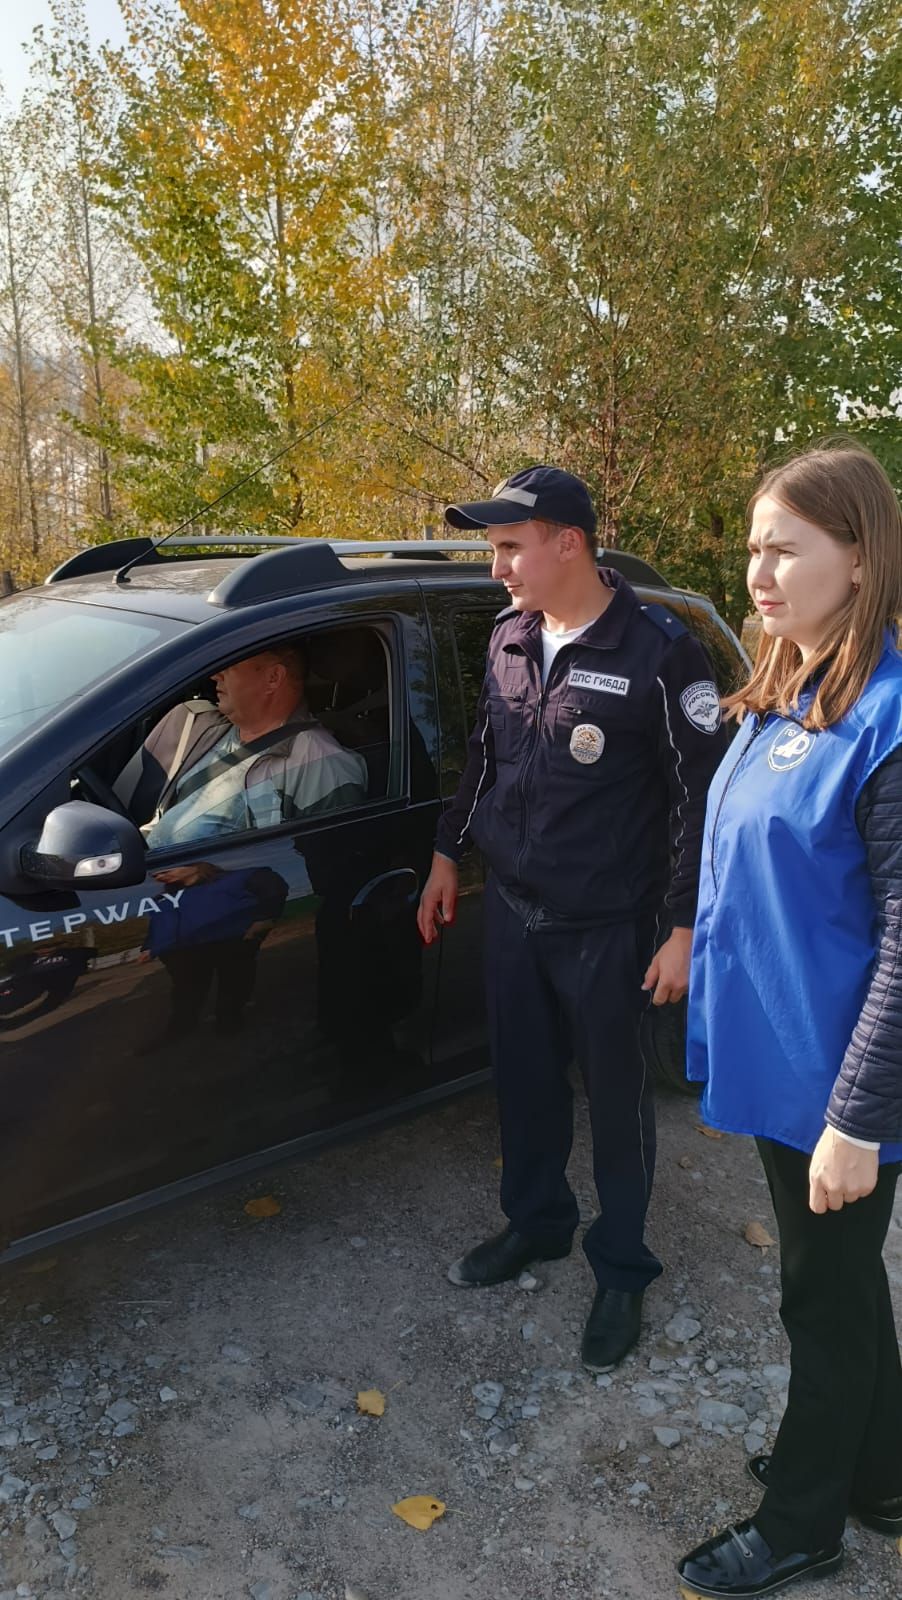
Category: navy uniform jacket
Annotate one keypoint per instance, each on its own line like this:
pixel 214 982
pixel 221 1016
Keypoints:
pixel 588 798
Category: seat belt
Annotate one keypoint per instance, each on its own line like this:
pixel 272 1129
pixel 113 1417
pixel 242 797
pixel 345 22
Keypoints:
pixel 201 779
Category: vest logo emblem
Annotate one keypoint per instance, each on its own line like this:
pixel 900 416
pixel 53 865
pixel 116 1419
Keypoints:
pixel 586 743
pixel 790 748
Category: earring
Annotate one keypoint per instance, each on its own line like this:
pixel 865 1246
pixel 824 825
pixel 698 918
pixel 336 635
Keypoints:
pixel 855 586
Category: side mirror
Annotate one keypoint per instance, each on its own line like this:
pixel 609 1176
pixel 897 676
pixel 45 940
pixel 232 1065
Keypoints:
pixel 83 846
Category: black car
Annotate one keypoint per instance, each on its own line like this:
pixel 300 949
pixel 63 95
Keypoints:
pixel 306 1004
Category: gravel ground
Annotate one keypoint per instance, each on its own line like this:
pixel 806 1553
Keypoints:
pixel 177 1397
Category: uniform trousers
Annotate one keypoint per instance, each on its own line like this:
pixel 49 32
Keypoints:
pixel 556 996
pixel 841 1435
pixel 192 968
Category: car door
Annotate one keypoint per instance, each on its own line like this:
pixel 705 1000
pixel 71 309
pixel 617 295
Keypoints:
pixel 462 617
pixel 253 991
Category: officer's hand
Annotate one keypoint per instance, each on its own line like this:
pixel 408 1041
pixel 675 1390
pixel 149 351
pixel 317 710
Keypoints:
pixel 668 974
pixel 840 1173
pixel 438 902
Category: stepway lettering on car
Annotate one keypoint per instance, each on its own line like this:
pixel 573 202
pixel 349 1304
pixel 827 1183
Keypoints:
pixel 107 915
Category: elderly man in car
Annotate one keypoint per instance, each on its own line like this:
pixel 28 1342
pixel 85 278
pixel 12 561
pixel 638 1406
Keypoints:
pixel 256 759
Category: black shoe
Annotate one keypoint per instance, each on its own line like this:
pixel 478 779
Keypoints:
pixel 884 1517
pixel 612 1328
pixel 503 1257
pixel 739 1563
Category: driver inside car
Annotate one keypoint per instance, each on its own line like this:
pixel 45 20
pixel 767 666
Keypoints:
pixel 254 760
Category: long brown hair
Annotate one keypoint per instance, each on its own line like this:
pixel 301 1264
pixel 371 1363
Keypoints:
pixel 842 488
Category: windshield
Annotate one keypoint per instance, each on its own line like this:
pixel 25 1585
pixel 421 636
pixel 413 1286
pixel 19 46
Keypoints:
pixel 52 651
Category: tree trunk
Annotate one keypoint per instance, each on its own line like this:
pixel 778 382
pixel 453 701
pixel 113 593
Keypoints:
pixel 718 591
pixel 19 344
pixel 103 460
pixel 297 504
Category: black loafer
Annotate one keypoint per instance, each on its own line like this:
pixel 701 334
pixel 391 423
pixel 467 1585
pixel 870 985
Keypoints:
pixel 738 1563
pixel 504 1256
pixel 612 1328
pixel 884 1517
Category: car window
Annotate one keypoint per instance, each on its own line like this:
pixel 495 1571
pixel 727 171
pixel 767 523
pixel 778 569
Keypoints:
pixel 52 651
pixel 300 730
pixel 465 633
pixel 471 631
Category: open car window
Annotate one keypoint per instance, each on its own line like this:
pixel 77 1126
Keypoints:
pixel 188 774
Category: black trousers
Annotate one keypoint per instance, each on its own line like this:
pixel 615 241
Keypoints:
pixel 192 968
pixel 841 1436
pixel 553 997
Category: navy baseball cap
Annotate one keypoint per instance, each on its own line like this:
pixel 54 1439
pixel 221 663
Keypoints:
pixel 546 492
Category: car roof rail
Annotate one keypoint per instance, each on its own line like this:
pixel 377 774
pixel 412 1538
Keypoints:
pixel 113 554
pixel 106 557
pixel 290 561
pixel 414 549
pixel 310 562
pixel 634 568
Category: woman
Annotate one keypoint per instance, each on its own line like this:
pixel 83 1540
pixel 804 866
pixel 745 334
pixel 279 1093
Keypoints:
pixel 796 997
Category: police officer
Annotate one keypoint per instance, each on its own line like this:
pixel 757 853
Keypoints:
pixel 597 733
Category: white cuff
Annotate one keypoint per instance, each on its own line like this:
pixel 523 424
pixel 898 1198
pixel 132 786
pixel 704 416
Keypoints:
pixel 863 1144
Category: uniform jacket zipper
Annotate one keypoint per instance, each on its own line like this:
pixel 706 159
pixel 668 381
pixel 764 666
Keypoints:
pixel 723 796
pixel 538 723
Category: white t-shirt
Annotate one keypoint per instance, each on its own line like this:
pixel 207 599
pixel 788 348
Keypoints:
pixel 553 642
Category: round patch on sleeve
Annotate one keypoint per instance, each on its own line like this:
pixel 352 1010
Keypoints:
pixel 701 706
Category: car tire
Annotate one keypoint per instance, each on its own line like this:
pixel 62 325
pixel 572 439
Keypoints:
pixel 663 1041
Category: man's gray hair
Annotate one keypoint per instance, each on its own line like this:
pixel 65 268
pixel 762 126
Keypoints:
pixel 292 656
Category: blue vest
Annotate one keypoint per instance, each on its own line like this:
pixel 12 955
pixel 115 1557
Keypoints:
pixel 784 940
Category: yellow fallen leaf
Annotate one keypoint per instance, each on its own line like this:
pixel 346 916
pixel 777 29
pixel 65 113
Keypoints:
pixel 689 1594
pixel 45 1264
pixel 419 1511
pixel 266 1206
pixel 756 1234
pixel 497 1162
pixel 709 1133
pixel 371 1402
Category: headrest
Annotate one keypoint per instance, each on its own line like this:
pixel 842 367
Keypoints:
pixel 345 655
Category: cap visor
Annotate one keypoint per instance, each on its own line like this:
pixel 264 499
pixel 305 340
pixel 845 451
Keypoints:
pixel 486 513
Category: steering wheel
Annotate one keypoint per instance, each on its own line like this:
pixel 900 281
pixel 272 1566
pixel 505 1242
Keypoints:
pixel 97 789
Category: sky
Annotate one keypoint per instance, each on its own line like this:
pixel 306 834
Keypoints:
pixel 18 19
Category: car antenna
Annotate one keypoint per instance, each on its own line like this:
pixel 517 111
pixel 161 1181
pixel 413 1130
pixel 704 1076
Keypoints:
pixel 122 574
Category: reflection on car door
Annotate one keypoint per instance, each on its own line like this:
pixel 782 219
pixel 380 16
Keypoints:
pixel 462 618
pixel 268 989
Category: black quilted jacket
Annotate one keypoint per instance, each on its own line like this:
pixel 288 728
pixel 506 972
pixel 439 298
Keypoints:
pixel 867 1096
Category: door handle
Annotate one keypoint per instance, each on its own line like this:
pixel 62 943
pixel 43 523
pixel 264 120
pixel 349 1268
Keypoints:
pixel 398 888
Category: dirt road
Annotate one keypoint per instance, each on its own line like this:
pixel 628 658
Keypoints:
pixel 177 1397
